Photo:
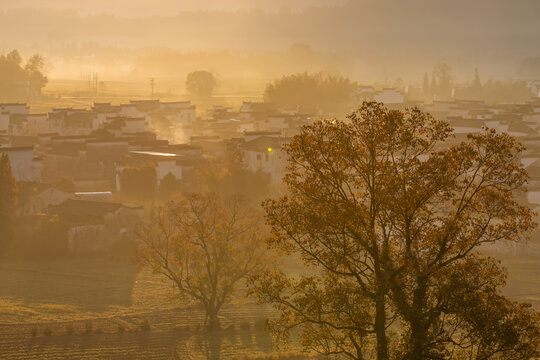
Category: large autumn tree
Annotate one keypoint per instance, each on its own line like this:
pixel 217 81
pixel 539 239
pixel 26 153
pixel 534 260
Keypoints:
pixel 205 244
pixel 8 199
pixel 389 211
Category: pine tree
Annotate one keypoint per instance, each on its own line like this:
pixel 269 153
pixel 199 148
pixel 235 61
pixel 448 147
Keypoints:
pixel 8 199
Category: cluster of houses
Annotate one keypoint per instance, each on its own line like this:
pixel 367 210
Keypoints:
pixel 89 148
pixel 68 161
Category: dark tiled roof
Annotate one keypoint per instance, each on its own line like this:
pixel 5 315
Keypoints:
pixel 261 144
pixel 85 210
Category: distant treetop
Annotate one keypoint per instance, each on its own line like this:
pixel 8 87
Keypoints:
pixel 18 80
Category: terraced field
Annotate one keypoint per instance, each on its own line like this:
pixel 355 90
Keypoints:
pixel 94 309
pixel 64 295
pixel 171 334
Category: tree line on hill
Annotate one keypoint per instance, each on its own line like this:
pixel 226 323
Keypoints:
pixel 443 87
pixel 335 94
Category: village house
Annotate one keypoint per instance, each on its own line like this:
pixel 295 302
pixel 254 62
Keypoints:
pixel 535 87
pixel 87 161
pixel 27 124
pixel 263 153
pixel 69 121
pixel 14 108
pixel 252 135
pixel 211 145
pixel 255 111
pixel 104 110
pixel 124 125
pixel 164 162
pixel 364 93
pixel 183 111
pixel 24 165
pixel 35 197
pixel 389 96
pixel 96 225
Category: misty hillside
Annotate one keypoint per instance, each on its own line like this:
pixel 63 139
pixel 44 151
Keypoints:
pixel 386 26
pixel 371 37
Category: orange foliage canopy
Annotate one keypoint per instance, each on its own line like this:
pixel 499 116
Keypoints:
pixel 390 210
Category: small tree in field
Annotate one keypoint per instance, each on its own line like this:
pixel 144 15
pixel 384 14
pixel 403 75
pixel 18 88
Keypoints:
pixel 8 199
pixel 205 245
pixel 391 214
pixel 201 83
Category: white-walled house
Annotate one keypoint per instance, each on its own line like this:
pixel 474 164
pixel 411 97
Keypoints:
pixel 184 111
pixel 124 125
pixel 72 122
pixel 389 96
pixel 14 108
pixel 264 154
pixel 37 124
pixel 38 197
pixel 164 163
pixel 96 225
pixel 24 166
pixel 4 121
pixel 535 87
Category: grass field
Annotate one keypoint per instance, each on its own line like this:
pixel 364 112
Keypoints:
pixel 67 294
pixel 63 296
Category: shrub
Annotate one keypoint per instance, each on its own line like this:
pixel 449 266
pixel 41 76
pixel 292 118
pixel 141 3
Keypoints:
pixel 182 328
pixel 145 325
pixel 88 327
pixel 69 329
pixel 34 332
pixel 121 328
pixel 260 323
pixel 47 331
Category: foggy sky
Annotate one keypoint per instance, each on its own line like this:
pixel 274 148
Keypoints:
pixel 135 8
pixel 407 37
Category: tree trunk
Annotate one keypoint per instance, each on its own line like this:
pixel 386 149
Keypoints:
pixel 417 341
pixel 418 323
pixel 380 327
pixel 213 321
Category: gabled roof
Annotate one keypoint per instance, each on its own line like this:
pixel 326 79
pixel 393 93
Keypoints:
pixel 40 187
pixel 85 210
pixel 16 148
pixel 262 144
pixel 67 149
pixel 23 140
